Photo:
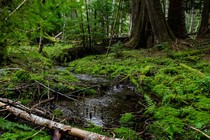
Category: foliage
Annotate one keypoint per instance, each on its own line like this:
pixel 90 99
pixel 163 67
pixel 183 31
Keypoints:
pixel 22 75
pixel 28 57
pixel 44 20
pixel 175 89
pixel 96 129
pixel 58 113
pixel 126 133
pixel 27 66
pixel 127 120
pixel 13 130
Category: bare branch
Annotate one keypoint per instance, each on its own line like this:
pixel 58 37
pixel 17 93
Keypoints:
pixel 199 131
pixel 16 9
pixel 57 92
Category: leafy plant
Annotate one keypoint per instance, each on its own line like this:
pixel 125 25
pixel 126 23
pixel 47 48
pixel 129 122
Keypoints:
pixel 127 120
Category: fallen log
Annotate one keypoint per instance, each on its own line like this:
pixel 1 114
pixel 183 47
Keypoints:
pixel 52 124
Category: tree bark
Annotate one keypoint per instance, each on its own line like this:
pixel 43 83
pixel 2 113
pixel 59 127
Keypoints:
pixel 139 20
pixel 192 17
pixel 149 25
pixel 88 25
pixel 203 30
pixel 176 18
pixel 159 26
pixel 52 124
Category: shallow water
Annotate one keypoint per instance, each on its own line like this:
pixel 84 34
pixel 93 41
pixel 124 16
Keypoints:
pixel 102 109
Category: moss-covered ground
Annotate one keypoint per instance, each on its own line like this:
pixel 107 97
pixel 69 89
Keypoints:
pixel 174 82
pixel 21 78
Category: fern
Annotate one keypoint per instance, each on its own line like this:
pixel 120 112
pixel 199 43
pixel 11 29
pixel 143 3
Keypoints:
pixel 150 104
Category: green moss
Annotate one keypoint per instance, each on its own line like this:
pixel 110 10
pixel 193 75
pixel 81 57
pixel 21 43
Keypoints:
pixel 64 76
pixel 97 129
pixel 58 113
pixel 22 75
pixel 127 120
pixel 165 111
pixel 28 59
pixel 203 103
pixel 18 131
pixel 167 128
pixel 195 117
pixel 204 85
pixel 25 101
pixel 126 133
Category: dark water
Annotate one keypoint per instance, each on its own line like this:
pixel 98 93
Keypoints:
pixel 102 109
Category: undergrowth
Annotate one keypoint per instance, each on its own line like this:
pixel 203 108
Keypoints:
pixel 175 85
pixel 13 131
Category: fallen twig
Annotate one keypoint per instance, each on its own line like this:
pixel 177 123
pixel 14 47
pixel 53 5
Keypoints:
pixel 10 69
pixel 199 131
pixel 16 8
pixel 57 92
pixel 22 107
pixel 19 88
pixel 44 101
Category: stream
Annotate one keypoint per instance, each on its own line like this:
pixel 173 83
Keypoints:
pixel 102 109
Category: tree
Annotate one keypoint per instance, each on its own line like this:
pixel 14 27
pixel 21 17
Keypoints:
pixel 149 25
pixel 176 18
pixel 5 26
pixel 204 29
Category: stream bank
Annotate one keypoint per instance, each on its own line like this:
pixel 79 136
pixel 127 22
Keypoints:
pixel 104 108
pixel 173 84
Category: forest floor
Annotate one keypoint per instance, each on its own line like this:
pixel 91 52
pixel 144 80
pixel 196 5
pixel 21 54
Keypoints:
pixel 173 82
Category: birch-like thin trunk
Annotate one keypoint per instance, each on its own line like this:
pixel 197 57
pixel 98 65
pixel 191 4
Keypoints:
pixel 64 26
pixel 88 24
pixel 192 17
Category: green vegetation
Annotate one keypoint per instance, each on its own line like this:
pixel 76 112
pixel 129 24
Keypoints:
pixel 127 120
pixel 172 77
pixel 175 88
pixel 126 133
pixel 14 131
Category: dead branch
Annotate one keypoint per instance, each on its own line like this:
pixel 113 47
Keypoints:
pixel 22 107
pixel 199 131
pixel 44 101
pixel 10 69
pixel 16 8
pixel 58 35
pixel 56 92
pixel 19 88
pixel 52 124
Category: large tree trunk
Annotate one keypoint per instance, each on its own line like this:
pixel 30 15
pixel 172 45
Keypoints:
pixel 203 30
pixel 1 55
pixel 158 22
pixel 148 24
pixel 3 51
pixel 140 21
pixel 176 18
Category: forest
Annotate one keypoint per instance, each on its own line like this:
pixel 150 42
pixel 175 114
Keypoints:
pixel 104 69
